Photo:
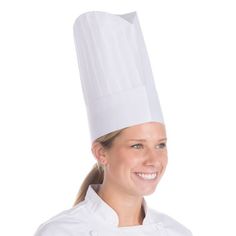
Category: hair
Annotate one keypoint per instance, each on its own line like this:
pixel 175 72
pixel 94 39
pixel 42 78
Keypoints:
pixel 95 176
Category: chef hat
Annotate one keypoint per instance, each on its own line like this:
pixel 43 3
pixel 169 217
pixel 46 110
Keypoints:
pixel 115 72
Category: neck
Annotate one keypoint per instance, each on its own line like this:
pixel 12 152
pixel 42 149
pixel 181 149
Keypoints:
pixel 128 208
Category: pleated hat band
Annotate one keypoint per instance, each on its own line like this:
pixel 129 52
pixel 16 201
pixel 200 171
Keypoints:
pixel 115 72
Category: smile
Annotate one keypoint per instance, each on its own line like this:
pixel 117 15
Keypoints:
pixel 147 176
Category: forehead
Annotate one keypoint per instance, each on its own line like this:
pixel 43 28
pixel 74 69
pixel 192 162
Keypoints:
pixel 146 131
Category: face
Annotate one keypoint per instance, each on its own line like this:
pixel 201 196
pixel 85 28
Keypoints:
pixel 137 160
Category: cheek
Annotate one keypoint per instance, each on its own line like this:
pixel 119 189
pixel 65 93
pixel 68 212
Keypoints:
pixel 164 161
pixel 123 160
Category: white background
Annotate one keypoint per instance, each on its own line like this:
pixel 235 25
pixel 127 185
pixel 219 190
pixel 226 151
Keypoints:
pixel 44 135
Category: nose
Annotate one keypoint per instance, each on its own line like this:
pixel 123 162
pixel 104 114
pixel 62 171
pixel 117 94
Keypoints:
pixel 154 157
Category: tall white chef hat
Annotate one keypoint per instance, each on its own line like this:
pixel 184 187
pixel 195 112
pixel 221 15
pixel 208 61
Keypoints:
pixel 115 72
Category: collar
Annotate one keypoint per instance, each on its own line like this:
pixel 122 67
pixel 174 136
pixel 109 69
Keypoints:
pixel 101 209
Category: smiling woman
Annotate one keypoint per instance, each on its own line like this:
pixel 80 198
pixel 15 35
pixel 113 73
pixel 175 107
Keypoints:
pixel 127 132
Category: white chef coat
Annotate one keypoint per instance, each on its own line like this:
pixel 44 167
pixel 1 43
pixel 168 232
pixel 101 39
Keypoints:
pixel 94 217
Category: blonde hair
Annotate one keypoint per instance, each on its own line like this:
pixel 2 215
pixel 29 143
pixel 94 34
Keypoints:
pixel 95 176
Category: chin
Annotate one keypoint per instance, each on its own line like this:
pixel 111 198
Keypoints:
pixel 148 192
pixel 145 191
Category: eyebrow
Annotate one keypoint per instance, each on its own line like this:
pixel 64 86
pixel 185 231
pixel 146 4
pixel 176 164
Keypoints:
pixel 144 140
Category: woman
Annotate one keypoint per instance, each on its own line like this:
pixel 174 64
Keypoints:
pixel 127 131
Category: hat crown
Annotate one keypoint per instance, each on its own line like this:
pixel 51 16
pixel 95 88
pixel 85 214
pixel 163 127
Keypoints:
pixel 112 58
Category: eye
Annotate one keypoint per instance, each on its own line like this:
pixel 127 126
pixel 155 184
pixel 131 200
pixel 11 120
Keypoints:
pixel 162 145
pixel 137 146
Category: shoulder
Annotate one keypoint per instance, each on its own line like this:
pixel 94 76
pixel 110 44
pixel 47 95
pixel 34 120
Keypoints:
pixel 67 223
pixel 170 224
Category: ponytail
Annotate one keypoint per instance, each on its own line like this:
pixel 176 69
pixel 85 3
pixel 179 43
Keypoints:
pixel 95 176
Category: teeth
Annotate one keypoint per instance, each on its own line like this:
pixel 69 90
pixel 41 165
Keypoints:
pixel 147 176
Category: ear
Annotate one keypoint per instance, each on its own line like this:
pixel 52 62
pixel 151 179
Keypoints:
pixel 99 153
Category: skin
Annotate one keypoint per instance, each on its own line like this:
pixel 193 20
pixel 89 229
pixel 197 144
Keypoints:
pixel 122 188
